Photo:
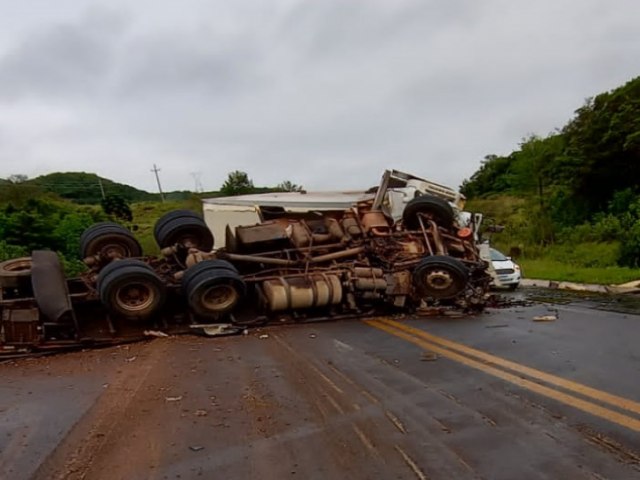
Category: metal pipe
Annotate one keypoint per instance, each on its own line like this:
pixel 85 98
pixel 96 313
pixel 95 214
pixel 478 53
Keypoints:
pixel 258 259
pixel 336 255
pixel 426 237
pixel 437 238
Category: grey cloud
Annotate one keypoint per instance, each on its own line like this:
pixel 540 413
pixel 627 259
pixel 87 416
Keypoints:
pixel 326 93
pixel 66 59
pixel 185 65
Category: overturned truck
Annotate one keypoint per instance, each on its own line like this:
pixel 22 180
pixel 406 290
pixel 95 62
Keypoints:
pixel 403 246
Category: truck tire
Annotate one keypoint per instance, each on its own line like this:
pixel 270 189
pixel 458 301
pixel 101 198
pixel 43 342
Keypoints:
pixel 131 289
pixel 213 290
pixel 432 207
pixel 186 230
pixel 15 273
pixel 49 285
pixel 206 265
pixel 440 277
pixel 109 240
pixel 167 217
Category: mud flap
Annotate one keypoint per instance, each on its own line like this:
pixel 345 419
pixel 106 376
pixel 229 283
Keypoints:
pixel 49 285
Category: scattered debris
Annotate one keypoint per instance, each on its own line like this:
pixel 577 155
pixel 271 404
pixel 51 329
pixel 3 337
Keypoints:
pixel 263 336
pixel 173 399
pixel 154 333
pixel 545 318
pixel 430 311
pixel 429 357
pixel 312 335
pixel 196 448
pixel 200 413
pixel 130 359
pixel 499 325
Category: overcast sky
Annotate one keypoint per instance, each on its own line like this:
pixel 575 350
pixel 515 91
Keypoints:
pixel 325 93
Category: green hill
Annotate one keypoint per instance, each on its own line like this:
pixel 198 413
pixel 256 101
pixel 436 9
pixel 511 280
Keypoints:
pixel 88 188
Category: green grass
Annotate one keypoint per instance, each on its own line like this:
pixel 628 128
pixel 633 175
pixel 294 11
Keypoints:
pixel 544 269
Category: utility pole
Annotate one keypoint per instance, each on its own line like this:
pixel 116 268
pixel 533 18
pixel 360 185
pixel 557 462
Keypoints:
pixel 198 184
pixel 101 188
pixel 156 170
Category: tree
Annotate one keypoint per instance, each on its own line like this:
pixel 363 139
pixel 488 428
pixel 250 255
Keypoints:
pixel 237 183
pixel 288 186
pixel 116 206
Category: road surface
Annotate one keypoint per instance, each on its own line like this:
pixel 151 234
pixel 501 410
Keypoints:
pixel 495 396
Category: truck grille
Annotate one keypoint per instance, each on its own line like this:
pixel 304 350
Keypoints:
pixel 504 271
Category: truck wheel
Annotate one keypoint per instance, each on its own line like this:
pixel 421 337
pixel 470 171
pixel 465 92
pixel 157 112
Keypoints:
pixel 207 265
pixel 186 229
pixel 109 240
pixel 213 290
pixel 49 285
pixel 432 207
pixel 167 217
pixel 15 273
pixel 130 288
pixel 440 277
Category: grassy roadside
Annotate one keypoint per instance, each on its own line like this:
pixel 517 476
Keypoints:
pixel 553 270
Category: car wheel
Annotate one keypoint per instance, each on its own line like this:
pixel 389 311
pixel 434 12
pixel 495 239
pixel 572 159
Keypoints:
pixel 432 207
pixel 440 277
pixel 131 289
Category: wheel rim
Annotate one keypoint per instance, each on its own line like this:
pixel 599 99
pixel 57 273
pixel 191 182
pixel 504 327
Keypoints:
pixel 134 297
pixel 18 266
pixel 188 241
pixel 219 298
pixel 439 280
pixel 115 250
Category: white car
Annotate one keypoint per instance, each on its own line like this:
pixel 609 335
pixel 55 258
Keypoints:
pixel 507 271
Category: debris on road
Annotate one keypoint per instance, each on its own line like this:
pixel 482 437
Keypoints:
pixel 196 448
pixel 545 318
pixel 429 357
pixel 173 399
pixel 263 336
pixel 155 333
pixel 201 413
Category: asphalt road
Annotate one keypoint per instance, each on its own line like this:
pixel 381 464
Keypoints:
pixel 496 396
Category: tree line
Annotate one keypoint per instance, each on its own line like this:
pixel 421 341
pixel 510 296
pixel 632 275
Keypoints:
pixel 581 182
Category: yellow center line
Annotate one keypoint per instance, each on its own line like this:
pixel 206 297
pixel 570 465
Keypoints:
pixel 611 399
pixel 588 407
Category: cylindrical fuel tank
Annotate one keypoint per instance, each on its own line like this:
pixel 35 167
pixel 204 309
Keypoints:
pixel 367 278
pixel 316 290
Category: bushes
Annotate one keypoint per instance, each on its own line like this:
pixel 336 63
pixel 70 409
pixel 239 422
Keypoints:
pixel 45 224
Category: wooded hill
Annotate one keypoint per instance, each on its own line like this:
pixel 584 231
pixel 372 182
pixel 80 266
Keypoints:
pixel 578 184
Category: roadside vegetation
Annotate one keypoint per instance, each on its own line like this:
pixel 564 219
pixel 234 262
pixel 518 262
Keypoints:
pixel 52 211
pixel 570 201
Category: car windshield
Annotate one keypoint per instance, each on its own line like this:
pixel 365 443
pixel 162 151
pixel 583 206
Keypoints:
pixel 497 256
